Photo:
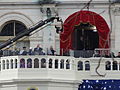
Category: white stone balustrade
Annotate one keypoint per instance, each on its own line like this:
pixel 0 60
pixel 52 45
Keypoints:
pixel 37 67
pixel 48 62
pixel 58 67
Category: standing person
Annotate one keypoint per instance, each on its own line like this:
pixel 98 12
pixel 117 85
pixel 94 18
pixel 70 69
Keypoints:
pixel 31 52
pixel 96 54
pixel 112 55
pixel 16 51
pixel 52 50
pixel 24 51
pixel 38 50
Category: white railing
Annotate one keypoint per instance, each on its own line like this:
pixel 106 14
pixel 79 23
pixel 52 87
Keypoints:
pixel 50 62
pixel 81 67
pixel 57 62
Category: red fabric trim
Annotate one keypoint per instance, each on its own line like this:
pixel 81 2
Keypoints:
pixel 84 16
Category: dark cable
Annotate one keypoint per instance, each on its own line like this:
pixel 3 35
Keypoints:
pixel 109 11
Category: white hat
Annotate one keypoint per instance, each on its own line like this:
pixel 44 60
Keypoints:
pixel 30 47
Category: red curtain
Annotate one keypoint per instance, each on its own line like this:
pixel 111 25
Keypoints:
pixel 76 19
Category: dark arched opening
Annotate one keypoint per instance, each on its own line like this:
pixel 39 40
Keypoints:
pixel 108 65
pixel 85 37
pixel 12 29
pixel 85 40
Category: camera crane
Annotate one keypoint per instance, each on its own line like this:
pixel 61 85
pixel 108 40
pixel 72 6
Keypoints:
pixel 26 32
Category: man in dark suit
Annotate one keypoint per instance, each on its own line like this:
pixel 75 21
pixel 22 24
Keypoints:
pixel 52 50
pixel 38 50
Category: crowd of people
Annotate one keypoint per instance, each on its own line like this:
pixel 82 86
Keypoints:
pixel 106 55
pixel 38 50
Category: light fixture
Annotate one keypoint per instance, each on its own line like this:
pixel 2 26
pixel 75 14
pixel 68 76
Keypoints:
pixel 87 26
pixel 59 26
pixel 48 12
pixel 94 29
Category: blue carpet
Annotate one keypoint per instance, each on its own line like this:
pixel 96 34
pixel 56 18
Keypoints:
pixel 100 85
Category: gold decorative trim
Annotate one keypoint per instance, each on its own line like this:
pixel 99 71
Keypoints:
pixel 32 88
pixel 85 23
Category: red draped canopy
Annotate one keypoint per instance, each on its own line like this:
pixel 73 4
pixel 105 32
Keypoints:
pixel 84 16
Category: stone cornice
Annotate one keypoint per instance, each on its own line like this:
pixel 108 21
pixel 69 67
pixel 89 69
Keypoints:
pixel 63 4
pixel 47 80
pixel 58 3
